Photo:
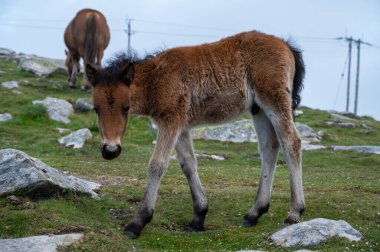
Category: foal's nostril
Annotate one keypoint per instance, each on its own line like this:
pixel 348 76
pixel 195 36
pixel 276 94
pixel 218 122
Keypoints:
pixel 110 151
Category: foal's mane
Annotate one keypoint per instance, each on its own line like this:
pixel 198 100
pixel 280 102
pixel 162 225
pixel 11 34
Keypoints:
pixel 116 64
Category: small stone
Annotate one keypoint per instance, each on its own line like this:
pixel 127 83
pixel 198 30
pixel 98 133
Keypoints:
pixel 13 200
pixel 10 84
pixel 76 139
pixel 298 112
pixel 5 117
pixel 341 117
pixel 83 105
pixel 362 148
pixel 17 92
pixel 62 130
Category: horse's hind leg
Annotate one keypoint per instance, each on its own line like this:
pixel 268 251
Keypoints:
pixel 188 163
pixel 269 148
pixel 287 135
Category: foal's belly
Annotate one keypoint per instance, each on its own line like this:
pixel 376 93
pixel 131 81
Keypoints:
pixel 220 107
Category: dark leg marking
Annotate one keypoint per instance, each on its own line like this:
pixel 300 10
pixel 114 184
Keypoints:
pixel 133 229
pixel 197 224
pixel 251 220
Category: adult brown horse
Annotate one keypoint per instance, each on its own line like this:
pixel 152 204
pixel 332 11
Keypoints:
pixel 211 83
pixel 86 37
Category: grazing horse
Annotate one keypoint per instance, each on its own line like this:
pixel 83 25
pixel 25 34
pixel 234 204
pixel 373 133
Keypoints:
pixel 187 86
pixel 86 36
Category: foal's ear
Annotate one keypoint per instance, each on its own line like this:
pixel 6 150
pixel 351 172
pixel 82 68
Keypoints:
pixel 92 74
pixel 127 74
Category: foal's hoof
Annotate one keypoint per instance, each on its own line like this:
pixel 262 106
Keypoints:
pixel 191 229
pixel 132 231
pixel 130 234
pixel 290 220
pixel 249 222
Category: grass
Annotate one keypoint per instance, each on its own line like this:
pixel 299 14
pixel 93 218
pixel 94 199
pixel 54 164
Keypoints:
pixel 338 185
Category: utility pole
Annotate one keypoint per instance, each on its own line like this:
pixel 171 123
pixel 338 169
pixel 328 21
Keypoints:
pixel 349 73
pixel 358 43
pixel 357 78
pixel 129 33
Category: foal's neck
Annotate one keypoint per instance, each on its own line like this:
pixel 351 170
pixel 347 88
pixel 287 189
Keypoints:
pixel 143 78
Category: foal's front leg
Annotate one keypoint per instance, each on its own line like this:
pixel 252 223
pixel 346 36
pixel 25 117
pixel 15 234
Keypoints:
pixel 156 169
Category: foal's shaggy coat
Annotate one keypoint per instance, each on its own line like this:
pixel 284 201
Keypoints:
pixel 211 83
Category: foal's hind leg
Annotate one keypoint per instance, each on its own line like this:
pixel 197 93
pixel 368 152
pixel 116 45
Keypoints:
pixel 188 162
pixel 287 135
pixel 269 148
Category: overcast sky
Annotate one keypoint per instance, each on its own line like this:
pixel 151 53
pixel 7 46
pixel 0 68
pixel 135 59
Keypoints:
pixel 37 26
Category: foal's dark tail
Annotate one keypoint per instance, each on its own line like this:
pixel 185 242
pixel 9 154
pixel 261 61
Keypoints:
pixel 298 76
pixel 91 43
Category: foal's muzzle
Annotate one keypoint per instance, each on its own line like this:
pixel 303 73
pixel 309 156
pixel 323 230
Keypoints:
pixel 110 152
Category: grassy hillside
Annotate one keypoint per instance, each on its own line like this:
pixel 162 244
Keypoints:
pixel 337 185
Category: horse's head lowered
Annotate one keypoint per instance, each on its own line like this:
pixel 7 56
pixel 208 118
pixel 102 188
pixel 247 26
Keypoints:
pixel 73 67
pixel 111 95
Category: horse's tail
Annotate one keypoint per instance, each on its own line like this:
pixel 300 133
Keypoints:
pixel 298 75
pixel 91 43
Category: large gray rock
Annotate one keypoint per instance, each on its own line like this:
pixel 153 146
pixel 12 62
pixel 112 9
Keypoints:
pixel 58 109
pixel 20 172
pixel 341 124
pixel 5 117
pixel 314 232
pixel 341 117
pixel 10 84
pixel 76 139
pixel 236 132
pixel 363 148
pixel 244 131
pixel 36 67
pixel 43 243
pixel 83 105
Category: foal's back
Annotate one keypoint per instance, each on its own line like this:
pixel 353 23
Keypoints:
pixel 219 81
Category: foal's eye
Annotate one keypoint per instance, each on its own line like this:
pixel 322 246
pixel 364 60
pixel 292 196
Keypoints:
pixel 126 109
pixel 96 109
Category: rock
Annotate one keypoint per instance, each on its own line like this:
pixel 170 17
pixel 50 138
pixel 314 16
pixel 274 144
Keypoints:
pixel 314 232
pixel 363 148
pixel 43 243
pixel 17 92
pixel 341 117
pixel 341 124
pixel 236 132
pixel 36 67
pixel 306 133
pixel 244 131
pixel 21 173
pixel 58 109
pixel 298 112
pixel 83 105
pixel 365 125
pixel 5 117
pixel 61 130
pixel 13 200
pixel 76 139
pixel 212 156
pixel 10 84
pixel 313 147
pixel 321 133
